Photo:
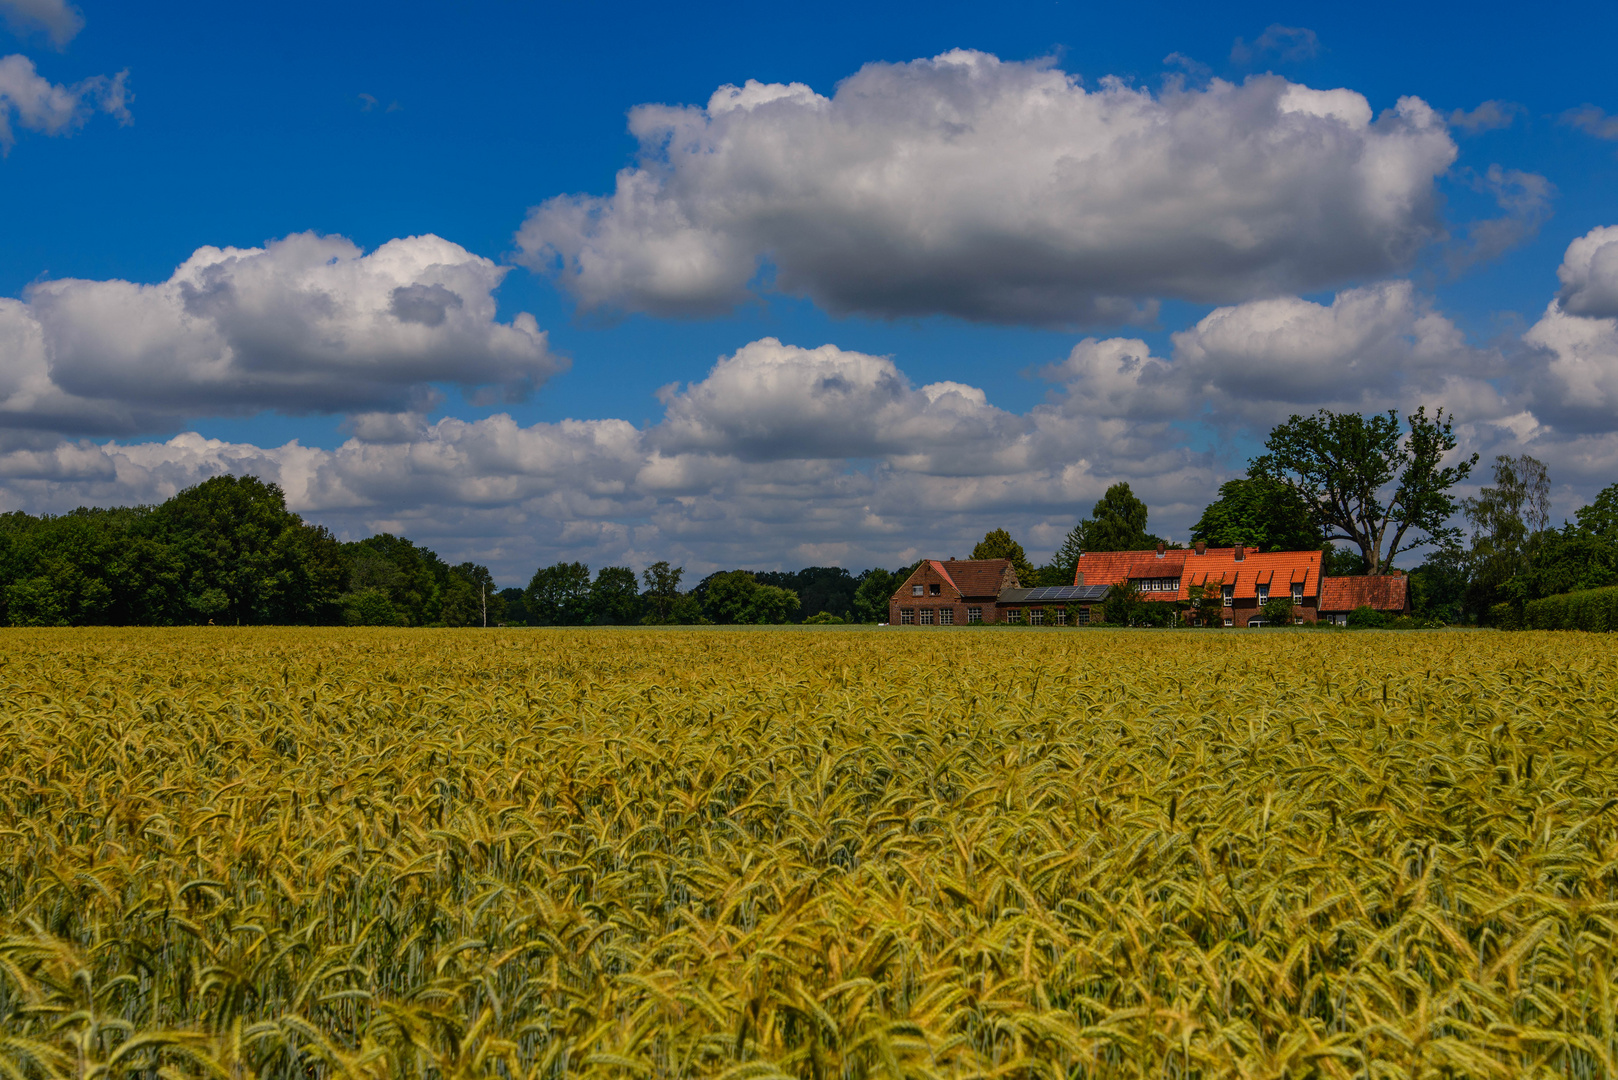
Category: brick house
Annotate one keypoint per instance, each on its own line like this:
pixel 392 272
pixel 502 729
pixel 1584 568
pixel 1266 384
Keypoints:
pixel 1245 578
pixel 952 592
pixel 1386 593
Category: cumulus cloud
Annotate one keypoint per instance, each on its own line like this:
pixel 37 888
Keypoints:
pixel 59 20
pixel 1000 192
pixel 304 324
pixel 1589 274
pixel 30 101
pixel 1251 365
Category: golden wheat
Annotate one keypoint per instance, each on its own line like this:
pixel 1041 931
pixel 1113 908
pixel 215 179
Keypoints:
pixel 825 855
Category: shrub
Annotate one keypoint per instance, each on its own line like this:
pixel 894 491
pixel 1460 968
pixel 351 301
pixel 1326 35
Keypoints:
pixel 823 618
pixel 1505 617
pixel 1366 617
pixel 1594 610
pixel 1276 611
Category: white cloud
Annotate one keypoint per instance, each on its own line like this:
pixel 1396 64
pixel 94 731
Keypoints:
pixel 1003 192
pixel 1253 364
pixel 59 20
pixel 1289 44
pixel 1581 368
pixel 30 101
pixel 1489 116
pixel 1589 274
pixel 304 324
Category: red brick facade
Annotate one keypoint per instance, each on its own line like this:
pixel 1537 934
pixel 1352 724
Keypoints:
pixel 951 592
pixel 1245 578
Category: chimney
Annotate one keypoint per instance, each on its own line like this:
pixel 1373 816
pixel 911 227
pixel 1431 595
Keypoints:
pixel 1160 547
pixel 1202 545
pixel 1241 552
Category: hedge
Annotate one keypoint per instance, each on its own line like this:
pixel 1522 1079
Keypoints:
pixel 1587 609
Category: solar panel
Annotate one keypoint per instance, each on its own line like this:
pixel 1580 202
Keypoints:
pixel 1066 592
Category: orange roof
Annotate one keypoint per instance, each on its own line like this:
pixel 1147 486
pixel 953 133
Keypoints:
pixel 1383 592
pixel 1214 566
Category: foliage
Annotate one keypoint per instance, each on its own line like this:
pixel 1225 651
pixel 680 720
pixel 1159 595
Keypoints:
pixel 1276 611
pixel 514 605
pixel 1438 586
pixel 823 618
pixel 1506 521
pixel 1366 617
pixel 1261 513
pixel 1600 518
pixel 1368 482
pixel 559 595
pixel 615 597
pixel 661 598
pixel 1117 522
pixel 1206 603
pixel 1588 609
pixel 1341 562
pixel 735 596
pixel 876 587
pixel 550 854
pixel 818 588
pixel 998 544
pixel 1123 605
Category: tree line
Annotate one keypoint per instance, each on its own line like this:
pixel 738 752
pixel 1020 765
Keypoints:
pixel 1362 489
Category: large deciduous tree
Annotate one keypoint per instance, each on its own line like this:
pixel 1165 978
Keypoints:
pixel 1368 481
pixel 1260 513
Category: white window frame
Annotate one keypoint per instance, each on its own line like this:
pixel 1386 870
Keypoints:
pixel 1036 616
pixel 1227 593
pixel 1061 616
pixel 1297 594
pixel 1263 594
pixel 907 616
pixel 946 616
pixel 918 590
pixel 926 616
pixel 1014 616
pixel 974 615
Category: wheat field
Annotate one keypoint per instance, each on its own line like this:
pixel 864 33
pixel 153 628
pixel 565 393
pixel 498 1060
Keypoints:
pixel 301 853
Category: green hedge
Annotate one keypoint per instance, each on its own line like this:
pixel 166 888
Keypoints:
pixel 1588 609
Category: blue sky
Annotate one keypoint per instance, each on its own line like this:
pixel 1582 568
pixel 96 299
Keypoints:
pixel 1008 332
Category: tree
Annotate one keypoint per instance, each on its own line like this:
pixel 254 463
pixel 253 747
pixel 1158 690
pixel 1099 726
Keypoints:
pixel 559 595
pixel 1123 605
pixel 1207 603
pixel 1343 466
pixel 1276 611
pixel 998 544
pixel 735 596
pixel 1600 518
pixel 871 596
pixel 1260 513
pixel 662 593
pixel 1117 522
pixel 1505 519
pixel 615 596
pixel 515 606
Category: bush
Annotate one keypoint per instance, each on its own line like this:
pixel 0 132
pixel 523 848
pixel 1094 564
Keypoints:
pixel 1366 617
pixel 1505 617
pixel 823 618
pixel 1594 610
pixel 1276 611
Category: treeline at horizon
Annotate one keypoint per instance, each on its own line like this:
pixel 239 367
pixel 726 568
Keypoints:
pixel 229 552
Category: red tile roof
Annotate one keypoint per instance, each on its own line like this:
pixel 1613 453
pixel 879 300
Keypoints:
pixel 974 577
pixel 1383 592
pixel 1215 566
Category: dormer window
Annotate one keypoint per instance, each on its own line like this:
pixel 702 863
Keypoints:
pixel 1263 593
pixel 1297 594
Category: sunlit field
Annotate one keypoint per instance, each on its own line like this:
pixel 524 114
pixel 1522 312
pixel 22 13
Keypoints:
pixel 823 854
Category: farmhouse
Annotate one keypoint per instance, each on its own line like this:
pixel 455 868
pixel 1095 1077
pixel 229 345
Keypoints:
pixel 1244 579
pixel 1385 593
pixel 948 592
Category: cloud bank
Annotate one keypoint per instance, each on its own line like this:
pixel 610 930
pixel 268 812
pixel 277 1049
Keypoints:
pixel 306 324
pixel 1000 192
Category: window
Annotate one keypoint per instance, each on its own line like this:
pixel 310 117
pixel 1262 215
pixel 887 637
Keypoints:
pixel 916 590
pixel 1014 615
pixel 946 616
pixel 933 590
pixel 974 614
pixel 1297 594
pixel 907 616
pixel 1228 594
pixel 1083 616
pixel 1036 617
pixel 926 616
pixel 1263 593
pixel 1256 623
pixel 1229 621
pixel 1061 616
